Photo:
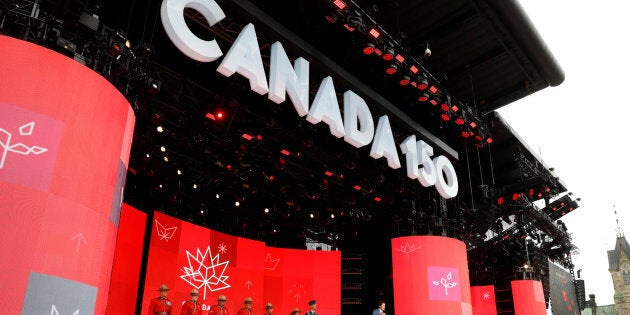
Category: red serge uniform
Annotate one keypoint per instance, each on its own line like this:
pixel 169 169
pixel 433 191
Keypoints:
pixel 160 306
pixel 244 311
pixel 218 310
pixel 191 308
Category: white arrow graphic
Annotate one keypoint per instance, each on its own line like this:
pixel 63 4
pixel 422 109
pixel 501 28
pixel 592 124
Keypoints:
pixel 248 284
pixel 80 239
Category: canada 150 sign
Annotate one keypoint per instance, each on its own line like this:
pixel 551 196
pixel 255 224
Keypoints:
pixel 357 123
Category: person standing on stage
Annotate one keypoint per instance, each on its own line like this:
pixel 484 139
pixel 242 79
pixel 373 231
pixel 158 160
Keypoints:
pixel 220 308
pixel 192 307
pixel 160 305
pixel 380 308
pixel 268 309
pixel 247 310
pixel 313 305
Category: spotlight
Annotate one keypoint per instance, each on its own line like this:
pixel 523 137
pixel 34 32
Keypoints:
pixel 153 85
pixel 445 117
pixel 217 196
pixel 163 148
pixel 332 215
pixel 423 84
pixel 266 210
pixel 311 215
pixel 147 155
pixel 374 32
pixel 332 17
pixel 391 69
pixel 388 53
pixel 194 186
pixel 353 21
pixel 237 204
pixel 445 107
pixel 179 172
pixel 369 49
pixel 159 129
pixel 404 81
pixel 423 97
pixel 465 134
pixel 460 121
pixel 166 159
pixel 339 4
pixel 427 52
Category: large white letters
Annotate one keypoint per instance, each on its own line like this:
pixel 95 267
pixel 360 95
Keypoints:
pixel 409 149
pixel 172 13
pixel 244 58
pixel 284 79
pixel 384 144
pixel 358 120
pixel 446 189
pixel 326 108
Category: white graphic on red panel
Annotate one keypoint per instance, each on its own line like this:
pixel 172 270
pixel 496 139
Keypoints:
pixel 165 234
pixel 205 271
pixel 54 311
pixel 408 249
pixel 19 148
pixel 222 248
pixel 80 239
pixel 248 284
pixel 271 264
pixel 486 295
pixel 296 291
pixel 445 282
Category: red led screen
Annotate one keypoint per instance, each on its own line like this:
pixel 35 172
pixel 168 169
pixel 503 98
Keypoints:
pixel 528 297
pixel 185 256
pixel 430 275
pixel 294 277
pixel 483 300
pixel 65 136
pixel 127 258
pixel 562 291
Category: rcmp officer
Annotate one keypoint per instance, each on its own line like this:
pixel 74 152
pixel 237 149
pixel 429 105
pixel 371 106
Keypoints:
pixel 219 308
pixel 268 309
pixel 313 305
pixel 247 310
pixel 161 305
pixel 192 307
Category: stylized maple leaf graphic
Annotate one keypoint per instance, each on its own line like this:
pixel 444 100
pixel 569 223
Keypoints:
pixel 19 148
pixel 222 248
pixel 165 234
pixel 486 295
pixel 408 249
pixel 54 311
pixel 447 285
pixel 271 264
pixel 205 271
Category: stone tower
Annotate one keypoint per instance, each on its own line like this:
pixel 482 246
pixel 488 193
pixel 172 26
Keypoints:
pixel 619 268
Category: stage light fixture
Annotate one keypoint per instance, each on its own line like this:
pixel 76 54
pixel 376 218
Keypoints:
pixel 147 155
pixel 311 215
pixel 433 89
pixel 427 52
pixel 159 129
pixel 163 148
pixel 404 80
pixel 500 200
pixel 237 204
pixel 266 210
pixel 460 121
pixel 473 125
pixel 445 116
pixel 369 49
pixel 332 17
pixel 444 107
pixel 391 69
pixel 340 4
pixel 179 172
pixel 465 134
pixel 332 215
pixel 413 69
pixel 423 97
pixel 423 84
pixel 374 32
pixel 217 196
pixel 354 21
pixel 153 85
pixel 433 102
pixel 195 187
pixel 400 58
pixel 388 53
pixel 166 159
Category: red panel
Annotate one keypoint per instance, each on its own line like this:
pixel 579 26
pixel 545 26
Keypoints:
pixel 127 259
pixel 528 297
pixel 430 275
pixel 64 139
pixel 185 256
pixel 294 277
pixel 483 300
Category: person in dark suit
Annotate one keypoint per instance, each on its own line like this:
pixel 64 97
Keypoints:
pixel 313 305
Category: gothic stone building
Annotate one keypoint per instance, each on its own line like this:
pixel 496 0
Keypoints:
pixel 619 268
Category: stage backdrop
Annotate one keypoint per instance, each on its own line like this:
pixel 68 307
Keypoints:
pixel 528 297
pixel 293 277
pixel 484 300
pixel 123 289
pixel 185 256
pixel 65 136
pixel 563 301
pixel 430 276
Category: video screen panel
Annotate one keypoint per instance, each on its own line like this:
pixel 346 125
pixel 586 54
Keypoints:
pixel 562 291
pixel 430 275
pixel 123 289
pixel 528 297
pixel 65 136
pixel 294 277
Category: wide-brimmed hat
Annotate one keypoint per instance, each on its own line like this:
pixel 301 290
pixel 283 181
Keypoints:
pixel 221 298
pixel 248 300
pixel 296 311
pixel 163 287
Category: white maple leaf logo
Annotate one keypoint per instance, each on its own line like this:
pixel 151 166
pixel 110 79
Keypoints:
pixel 165 234
pixel 445 283
pixel 205 271
pixel 54 311
pixel 486 295
pixel 408 249
pixel 271 264
pixel 19 148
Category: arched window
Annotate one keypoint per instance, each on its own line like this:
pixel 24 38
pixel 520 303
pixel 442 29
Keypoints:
pixel 626 275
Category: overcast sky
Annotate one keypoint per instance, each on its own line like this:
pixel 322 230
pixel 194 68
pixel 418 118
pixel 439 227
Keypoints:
pixel 581 128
